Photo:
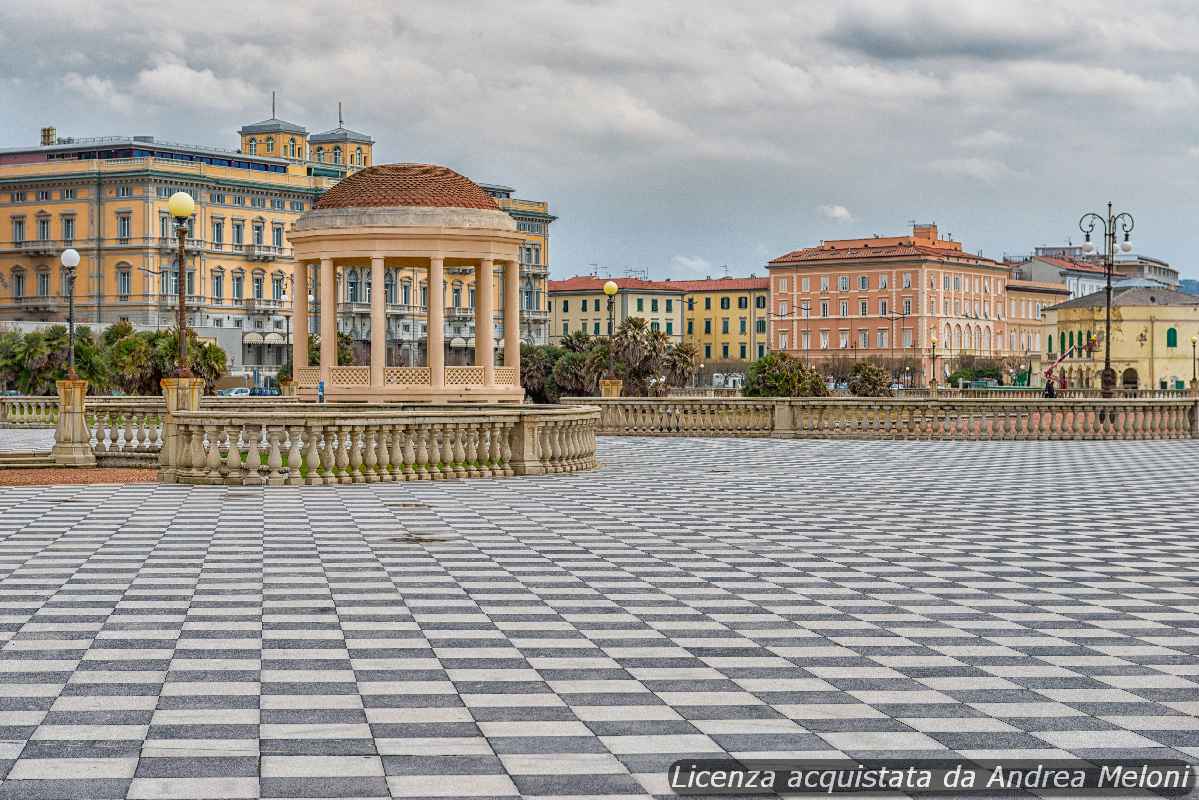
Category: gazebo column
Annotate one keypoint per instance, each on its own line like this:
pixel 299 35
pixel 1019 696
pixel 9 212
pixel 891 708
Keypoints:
pixel 328 320
pixel 378 323
pixel 299 319
pixel 512 316
pixel 484 319
pixel 435 334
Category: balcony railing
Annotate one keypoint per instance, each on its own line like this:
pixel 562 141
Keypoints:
pixel 260 305
pixel 41 247
pixel 459 312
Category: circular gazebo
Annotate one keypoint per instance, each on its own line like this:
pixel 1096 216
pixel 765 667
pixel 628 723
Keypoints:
pixel 409 216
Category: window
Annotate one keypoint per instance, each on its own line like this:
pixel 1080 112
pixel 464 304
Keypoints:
pixel 742 325
pixel 653 305
pixel 843 340
pixel 783 308
pixel 907 337
pixel 565 325
pixel 257 283
pixel 17 197
pixel 337 154
pixel 707 304
pixel 843 283
pixel 68 228
pixel 654 326
pixel 760 326
pixel 1171 337
pixel 18 230
pixel 862 311
pixel 640 303
pixel 43 228
pixel 782 284
pixel 742 346
pixel 760 301
pixel 218 287
pixel 583 305
pixel 258 233
pixel 124 191
pixel 782 344
pixel 297 205
pixel 258 202
pixel 669 305
pixel 43 284
pixel 907 280
pixel 124 226
pixel 565 306
pixel 18 284
pixel 724 351
pixel 43 194
pixel 270 144
pixel 277 236
pixel 669 327
pixel 217 197
pixel 824 283
pixel 824 340
pixel 239 200
pixel 724 325
pixel 863 282
pixel 218 232
pixel 881 338
pixel 743 302
pixel 806 339
pixel 946 283
pixel 824 308
pixel 882 308
pixel 277 203
pixel 707 326
pixel 123 283
pixel 844 308
pixel 595 329
pixel 68 194
pixel 239 281
pixel 957 283
pixel 164 226
pixel 724 304
pixel 253 147
pixel 882 281
pixel 238 232
pixel 690 327
pixel 907 306
pixel 277 287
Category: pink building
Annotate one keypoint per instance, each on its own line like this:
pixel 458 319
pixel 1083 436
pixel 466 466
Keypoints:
pixel 888 298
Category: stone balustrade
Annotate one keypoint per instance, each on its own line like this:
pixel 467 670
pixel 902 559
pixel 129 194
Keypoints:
pixel 29 411
pixel 371 444
pixel 899 418
pixel 125 431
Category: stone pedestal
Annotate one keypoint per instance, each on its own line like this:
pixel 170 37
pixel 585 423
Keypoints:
pixel 72 439
pixel 610 388
pixel 932 388
pixel 181 394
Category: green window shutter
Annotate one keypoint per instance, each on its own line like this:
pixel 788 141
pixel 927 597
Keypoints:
pixel 1172 337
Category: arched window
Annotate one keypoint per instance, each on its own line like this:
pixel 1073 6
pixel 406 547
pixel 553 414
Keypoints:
pixel 1171 337
pixel 337 154
pixel 320 154
pixel 969 339
pixel 291 147
pixel 253 146
pixel 1061 337
pixel 406 293
pixel 353 287
pixel 270 144
pixel 358 156
pixel 389 287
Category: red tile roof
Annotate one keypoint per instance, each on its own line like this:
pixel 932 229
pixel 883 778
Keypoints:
pixel 1067 263
pixel 589 283
pixel 390 185
pixel 885 250
pixel 722 284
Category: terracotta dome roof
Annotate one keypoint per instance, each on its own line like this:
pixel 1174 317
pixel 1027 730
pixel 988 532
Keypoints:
pixel 391 185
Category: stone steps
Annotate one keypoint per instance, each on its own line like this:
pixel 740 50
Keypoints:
pixel 26 461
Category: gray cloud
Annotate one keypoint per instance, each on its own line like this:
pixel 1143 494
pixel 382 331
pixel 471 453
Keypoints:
pixel 673 135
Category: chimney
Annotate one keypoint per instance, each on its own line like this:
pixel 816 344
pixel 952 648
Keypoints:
pixel 49 136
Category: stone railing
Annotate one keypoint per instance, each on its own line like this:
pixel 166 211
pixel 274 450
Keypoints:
pixel 899 418
pixel 29 411
pixel 125 432
pixel 704 391
pixel 370 444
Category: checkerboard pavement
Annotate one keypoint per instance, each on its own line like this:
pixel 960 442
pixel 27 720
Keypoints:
pixel 26 440
pixel 570 636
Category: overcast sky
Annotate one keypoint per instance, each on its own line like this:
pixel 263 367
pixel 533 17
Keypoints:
pixel 675 137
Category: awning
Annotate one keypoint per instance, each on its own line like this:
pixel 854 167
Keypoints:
pixel 251 338
pixel 457 341
pixel 274 338
pixel 470 342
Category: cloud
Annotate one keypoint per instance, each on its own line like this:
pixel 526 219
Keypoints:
pixel 836 213
pixel 985 140
pixel 690 266
pixel 987 170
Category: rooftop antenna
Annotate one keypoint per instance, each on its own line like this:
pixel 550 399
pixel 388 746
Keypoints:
pixel 340 123
pixel 594 269
pixel 272 104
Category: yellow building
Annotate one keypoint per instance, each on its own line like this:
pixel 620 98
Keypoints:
pixel 726 320
pixel 1027 325
pixel 579 304
pixel 107 198
pixel 1152 327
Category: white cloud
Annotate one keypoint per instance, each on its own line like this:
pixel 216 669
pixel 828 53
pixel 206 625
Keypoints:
pixel 94 89
pixel 690 266
pixel 987 170
pixel 985 140
pixel 836 213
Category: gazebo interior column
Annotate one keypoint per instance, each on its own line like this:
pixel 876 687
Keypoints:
pixel 328 309
pixel 299 319
pixel 378 322
pixel 512 316
pixel 435 329
pixel 484 319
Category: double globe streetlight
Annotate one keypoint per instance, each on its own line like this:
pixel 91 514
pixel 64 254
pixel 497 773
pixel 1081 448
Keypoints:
pixel 1108 223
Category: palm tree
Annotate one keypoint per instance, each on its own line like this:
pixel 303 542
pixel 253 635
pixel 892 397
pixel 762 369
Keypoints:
pixel 576 342
pixel 680 363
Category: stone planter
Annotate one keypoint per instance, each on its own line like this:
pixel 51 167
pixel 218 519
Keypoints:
pixel 610 388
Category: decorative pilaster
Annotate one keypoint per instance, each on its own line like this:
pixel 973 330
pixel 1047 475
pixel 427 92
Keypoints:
pixel 512 316
pixel 72 439
pixel 180 394
pixel 299 319
pixel 485 319
pixel 328 308
pixel 436 322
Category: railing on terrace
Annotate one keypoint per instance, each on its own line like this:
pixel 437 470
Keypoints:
pixel 32 411
pixel 900 418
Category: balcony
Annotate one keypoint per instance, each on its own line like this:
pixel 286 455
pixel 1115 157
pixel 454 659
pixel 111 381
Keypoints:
pixel 459 313
pixel 172 300
pixel 39 302
pixel 354 308
pixel 535 270
pixel 265 305
pixel 534 314
pixel 405 311
pixel 170 244
pixel 266 252
pixel 41 247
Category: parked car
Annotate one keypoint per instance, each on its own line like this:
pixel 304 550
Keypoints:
pixel 240 391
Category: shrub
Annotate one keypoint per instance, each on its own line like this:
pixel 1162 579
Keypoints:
pixel 781 375
pixel 869 380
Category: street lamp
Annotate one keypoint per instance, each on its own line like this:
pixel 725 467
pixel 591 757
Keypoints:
pixel 70 260
pixel 894 366
pixel 1108 223
pixel 181 206
pixel 610 289
pixel 1194 365
pixel 933 382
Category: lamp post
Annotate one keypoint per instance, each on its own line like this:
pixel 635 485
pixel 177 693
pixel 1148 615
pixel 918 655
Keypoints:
pixel 70 260
pixel 932 383
pixel 610 290
pixel 895 367
pixel 1108 223
pixel 1194 366
pixel 181 206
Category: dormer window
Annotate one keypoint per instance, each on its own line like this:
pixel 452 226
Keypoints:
pixel 253 147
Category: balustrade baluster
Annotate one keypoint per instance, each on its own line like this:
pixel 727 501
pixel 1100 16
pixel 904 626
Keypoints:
pixel 355 447
pixel 252 469
pixel 274 459
pixel 295 458
pixel 328 451
pixel 436 454
pixel 370 458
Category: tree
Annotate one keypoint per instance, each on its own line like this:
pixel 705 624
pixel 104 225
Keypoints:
pixel 869 380
pixel 574 373
pixel 576 342
pixel 782 375
pixel 536 372
pixel 681 363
